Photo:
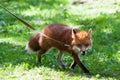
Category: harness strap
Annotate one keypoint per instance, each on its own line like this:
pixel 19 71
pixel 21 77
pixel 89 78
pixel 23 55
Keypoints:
pixel 60 42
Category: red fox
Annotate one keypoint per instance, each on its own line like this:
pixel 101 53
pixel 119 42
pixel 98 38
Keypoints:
pixel 62 37
pixel 79 42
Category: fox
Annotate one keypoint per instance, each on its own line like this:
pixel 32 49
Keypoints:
pixel 79 42
pixel 62 37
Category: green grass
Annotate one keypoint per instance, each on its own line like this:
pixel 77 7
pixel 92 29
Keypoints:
pixel 103 60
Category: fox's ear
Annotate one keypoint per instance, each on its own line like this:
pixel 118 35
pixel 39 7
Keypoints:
pixel 74 31
pixel 90 32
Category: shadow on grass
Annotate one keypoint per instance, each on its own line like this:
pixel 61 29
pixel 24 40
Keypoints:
pixel 14 54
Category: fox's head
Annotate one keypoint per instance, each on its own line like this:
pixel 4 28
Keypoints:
pixel 81 40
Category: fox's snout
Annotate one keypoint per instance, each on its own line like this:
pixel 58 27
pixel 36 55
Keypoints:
pixel 81 51
pixel 84 49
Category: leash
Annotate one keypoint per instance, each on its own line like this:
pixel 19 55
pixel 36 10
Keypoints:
pixel 31 27
pixel 24 22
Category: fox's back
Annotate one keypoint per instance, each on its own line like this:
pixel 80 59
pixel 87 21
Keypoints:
pixel 57 31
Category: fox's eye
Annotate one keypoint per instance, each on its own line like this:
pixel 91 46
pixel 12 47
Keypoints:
pixel 86 45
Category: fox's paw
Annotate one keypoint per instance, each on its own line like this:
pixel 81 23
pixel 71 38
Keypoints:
pixel 87 72
pixel 63 66
pixel 38 63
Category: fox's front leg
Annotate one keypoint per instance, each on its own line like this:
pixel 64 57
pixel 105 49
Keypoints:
pixel 73 64
pixel 77 61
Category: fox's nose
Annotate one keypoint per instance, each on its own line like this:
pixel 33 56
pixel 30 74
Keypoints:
pixel 83 52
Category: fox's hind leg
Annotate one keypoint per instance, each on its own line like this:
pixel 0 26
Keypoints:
pixel 60 60
pixel 42 51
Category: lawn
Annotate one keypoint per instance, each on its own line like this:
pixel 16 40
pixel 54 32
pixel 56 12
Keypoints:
pixel 103 60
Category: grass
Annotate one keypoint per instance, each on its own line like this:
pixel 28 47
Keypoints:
pixel 103 60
